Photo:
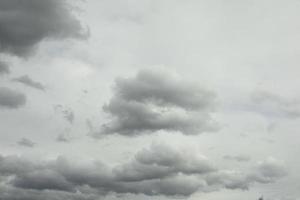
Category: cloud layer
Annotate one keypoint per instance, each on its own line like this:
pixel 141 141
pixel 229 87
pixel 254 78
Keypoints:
pixel 158 170
pixel 155 100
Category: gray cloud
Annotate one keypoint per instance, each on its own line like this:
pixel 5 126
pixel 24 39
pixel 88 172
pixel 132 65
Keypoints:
pixel 63 138
pixel 163 89
pixel 12 193
pixel 158 170
pixel 11 99
pixel 162 161
pixel 24 24
pixel 67 113
pixel 265 172
pixel 273 105
pixel 239 158
pixel 269 171
pixel 26 80
pixel 4 69
pixel 26 142
pixel 154 101
pixel 42 179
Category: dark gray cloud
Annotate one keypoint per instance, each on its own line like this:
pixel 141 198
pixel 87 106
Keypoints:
pixel 11 99
pixel 273 105
pixel 24 24
pixel 26 142
pixel 26 80
pixel 4 69
pixel 158 170
pixel 154 101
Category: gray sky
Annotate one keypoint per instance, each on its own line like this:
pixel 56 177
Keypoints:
pixel 140 99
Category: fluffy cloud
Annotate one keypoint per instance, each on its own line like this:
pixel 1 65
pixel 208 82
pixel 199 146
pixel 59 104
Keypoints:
pixel 162 161
pixel 161 88
pixel 158 170
pixel 26 80
pixel 153 101
pixel 24 24
pixel 11 99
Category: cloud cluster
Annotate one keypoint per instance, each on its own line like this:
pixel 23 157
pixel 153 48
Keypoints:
pixel 26 80
pixel 158 170
pixel 153 101
pixel 11 99
pixel 24 24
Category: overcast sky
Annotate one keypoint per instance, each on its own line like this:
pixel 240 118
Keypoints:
pixel 149 99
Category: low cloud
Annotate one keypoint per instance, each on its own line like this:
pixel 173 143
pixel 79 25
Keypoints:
pixel 11 99
pixel 24 25
pixel 153 101
pixel 26 80
pixel 156 171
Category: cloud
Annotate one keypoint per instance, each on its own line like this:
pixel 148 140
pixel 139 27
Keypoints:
pixel 162 161
pixel 265 172
pixel 12 193
pixel 156 171
pixel 26 142
pixel 11 99
pixel 269 170
pixel 153 101
pixel 63 138
pixel 239 158
pixel 161 88
pixel 4 69
pixel 273 105
pixel 26 80
pixel 24 25
pixel 67 113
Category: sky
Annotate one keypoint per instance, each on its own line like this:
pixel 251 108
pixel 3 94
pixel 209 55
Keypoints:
pixel 149 99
